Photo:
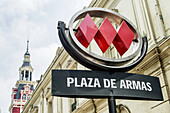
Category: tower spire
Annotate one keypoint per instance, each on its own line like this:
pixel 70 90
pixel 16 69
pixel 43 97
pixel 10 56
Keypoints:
pixel 27 53
pixel 27 45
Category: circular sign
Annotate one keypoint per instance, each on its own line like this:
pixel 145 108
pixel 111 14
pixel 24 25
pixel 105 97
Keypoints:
pixel 76 41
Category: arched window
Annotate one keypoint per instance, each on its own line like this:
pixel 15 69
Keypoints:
pixel 26 75
pixel 28 96
pixel 122 109
pixel 30 76
pixel 74 104
pixel 22 75
pixel 15 96
pixel 24 97
pixel 16 110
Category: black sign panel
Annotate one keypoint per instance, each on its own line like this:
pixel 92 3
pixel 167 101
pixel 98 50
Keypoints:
pixel 102 84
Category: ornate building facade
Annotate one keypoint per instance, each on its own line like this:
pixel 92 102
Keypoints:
pixel 151 17
pixel 24 86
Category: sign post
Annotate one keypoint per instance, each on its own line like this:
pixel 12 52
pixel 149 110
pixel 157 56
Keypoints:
pixel 112 105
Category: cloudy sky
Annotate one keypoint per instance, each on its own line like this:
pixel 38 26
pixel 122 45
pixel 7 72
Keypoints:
pixel 36 20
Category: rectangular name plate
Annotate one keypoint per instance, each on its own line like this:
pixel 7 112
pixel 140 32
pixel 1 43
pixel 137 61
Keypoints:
pixel 102 84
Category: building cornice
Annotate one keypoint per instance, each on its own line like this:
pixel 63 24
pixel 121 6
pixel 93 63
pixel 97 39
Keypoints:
pixel 24 82
pixel 152 58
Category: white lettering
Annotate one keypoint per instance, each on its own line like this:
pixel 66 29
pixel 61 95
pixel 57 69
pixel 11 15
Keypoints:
pixel 109 83
pixel 76 84
pixel 69 81
pixel 129 84
pixel 122 84
pixel 106 83
pixel 113 84
pixel 83 82
pixel 136 85
pixel 96 82
pixel 144 86
pixel 148 84
pixel 90 82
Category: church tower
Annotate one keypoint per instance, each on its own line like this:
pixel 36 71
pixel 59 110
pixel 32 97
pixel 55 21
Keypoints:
pixel 25 71
pixel 24 86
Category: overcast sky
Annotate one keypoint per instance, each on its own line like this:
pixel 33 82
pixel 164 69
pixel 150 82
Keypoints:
pixel 36 20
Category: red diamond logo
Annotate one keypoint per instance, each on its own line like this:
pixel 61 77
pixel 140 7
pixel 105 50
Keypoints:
pixel 105 35
pixel 123 38
pixel 86 31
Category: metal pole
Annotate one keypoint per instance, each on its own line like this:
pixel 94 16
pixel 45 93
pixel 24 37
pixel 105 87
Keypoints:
pixel 112 105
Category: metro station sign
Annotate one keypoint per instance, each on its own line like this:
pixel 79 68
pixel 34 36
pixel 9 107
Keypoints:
pixel 108 77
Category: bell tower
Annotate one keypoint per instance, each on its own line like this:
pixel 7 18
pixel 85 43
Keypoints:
pixel 25 71
pixel 24 86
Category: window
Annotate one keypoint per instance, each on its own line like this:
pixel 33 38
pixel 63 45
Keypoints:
pixel 26 75
pixel 122 109
pixel 27 88
pixel 28 96
pixel 24 97
pixel 73 106
pixel 22 75
pixel 50 108
pixel 16 110
pixel 30 76
pixel 15 96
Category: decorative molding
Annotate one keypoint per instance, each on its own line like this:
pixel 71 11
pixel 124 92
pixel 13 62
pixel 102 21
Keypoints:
pixel 48 92
pixel 69 62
